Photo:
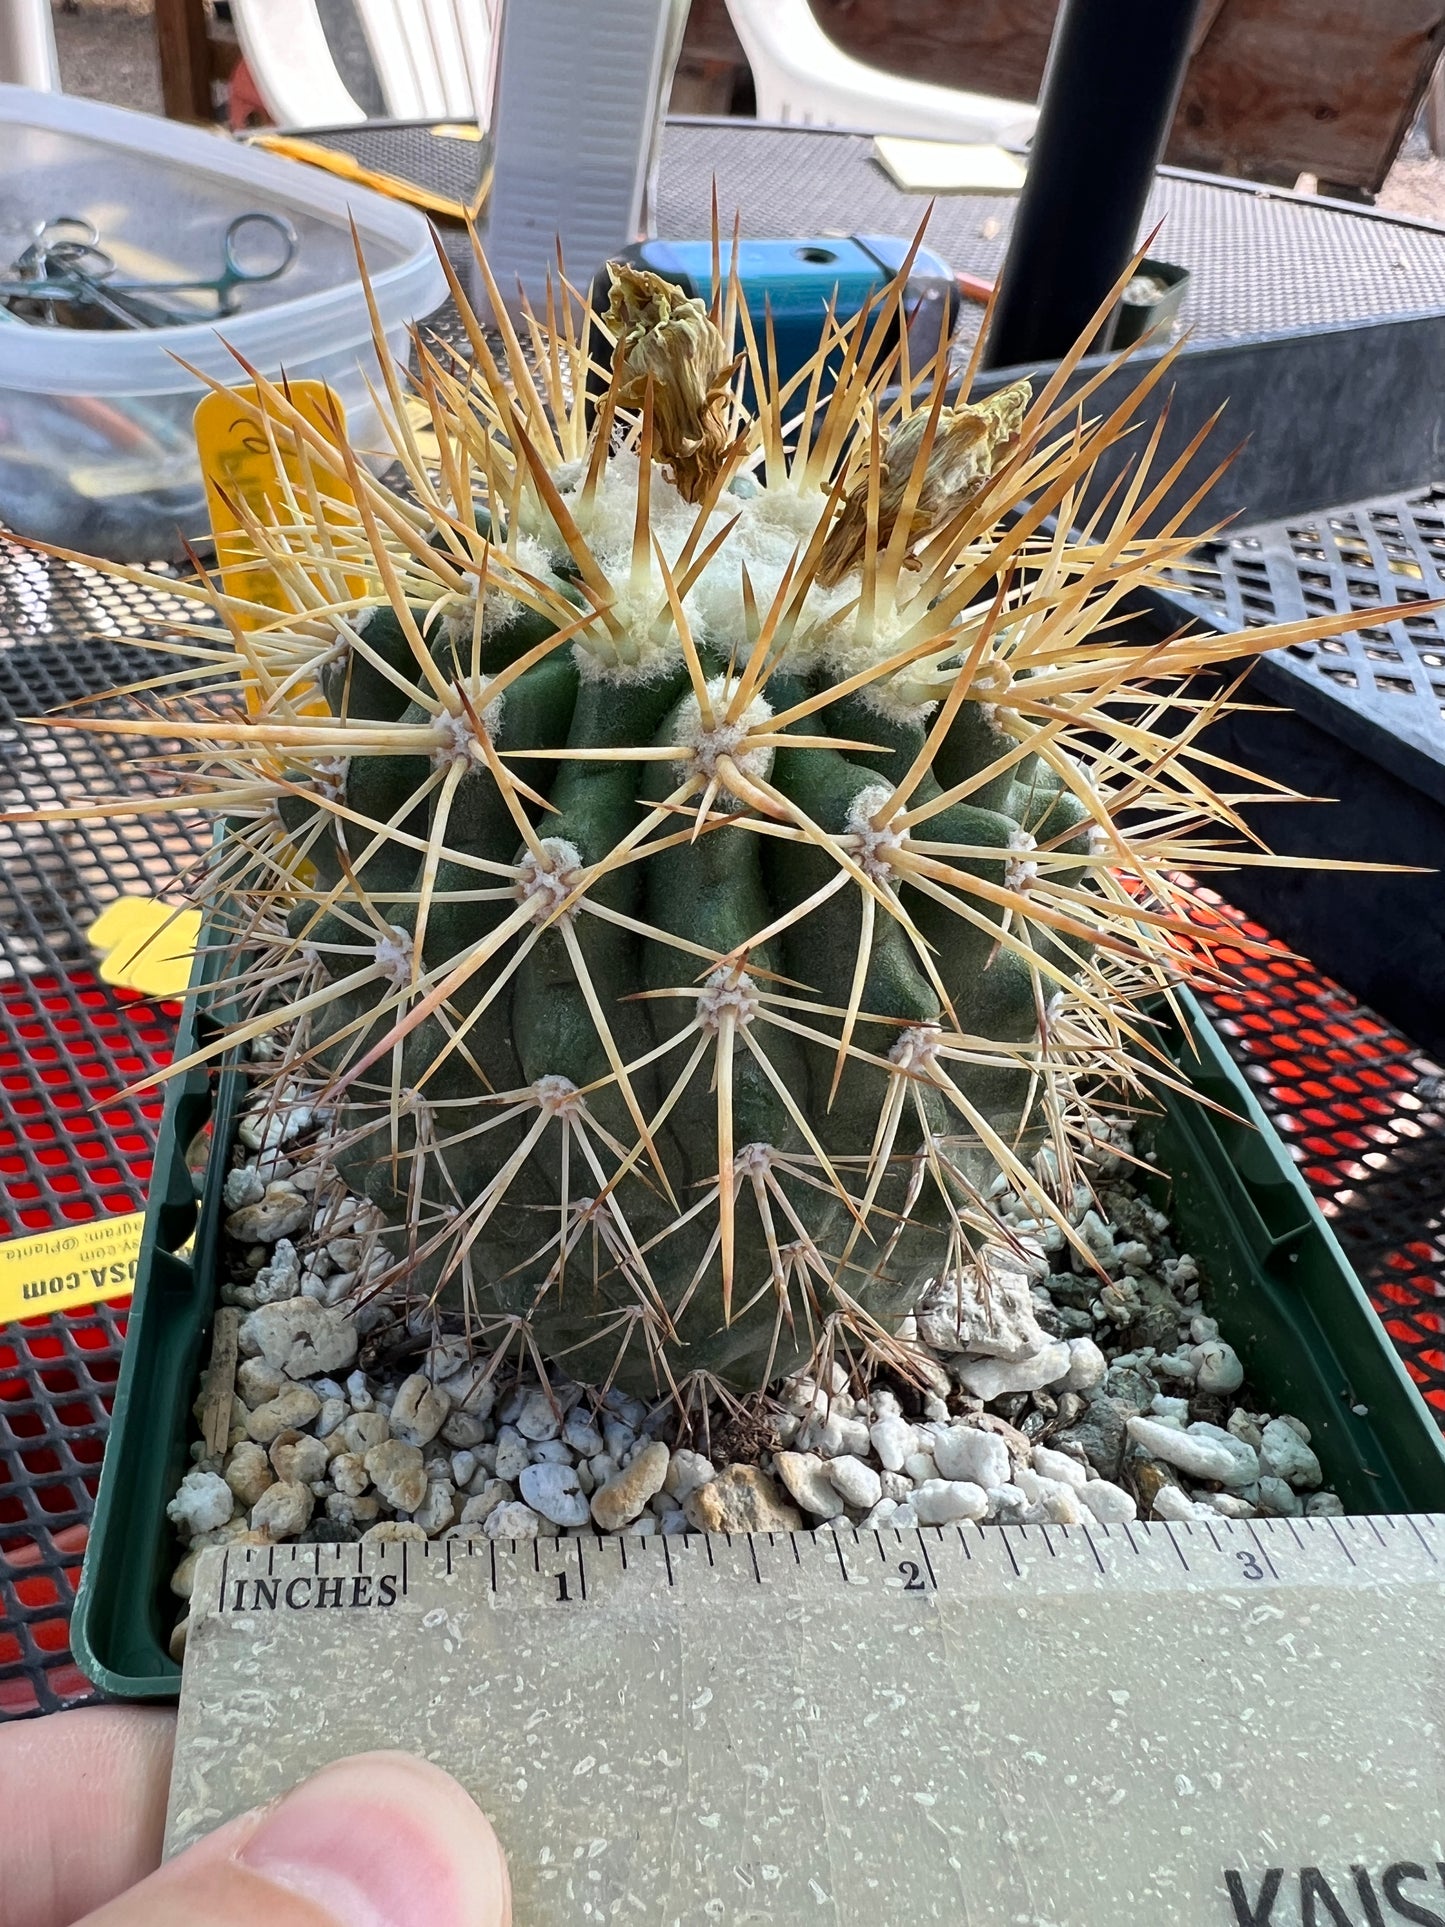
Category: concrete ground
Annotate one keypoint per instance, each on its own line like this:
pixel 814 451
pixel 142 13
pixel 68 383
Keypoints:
pixel 107 52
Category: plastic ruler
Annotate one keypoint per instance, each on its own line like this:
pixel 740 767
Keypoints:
pixel 1237 1725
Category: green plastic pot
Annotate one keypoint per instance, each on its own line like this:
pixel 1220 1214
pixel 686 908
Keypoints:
pixel 1275 1277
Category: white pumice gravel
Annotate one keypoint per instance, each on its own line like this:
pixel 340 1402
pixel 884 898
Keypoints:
pixel 1040 1393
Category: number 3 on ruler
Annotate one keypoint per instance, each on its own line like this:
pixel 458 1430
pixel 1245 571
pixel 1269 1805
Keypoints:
pixel 1249 1565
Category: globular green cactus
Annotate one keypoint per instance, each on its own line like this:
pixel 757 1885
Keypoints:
pixel 694 852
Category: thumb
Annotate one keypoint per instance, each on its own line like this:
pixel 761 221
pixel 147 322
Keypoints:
pixel 382 1840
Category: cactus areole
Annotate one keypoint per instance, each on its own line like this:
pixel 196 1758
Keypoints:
pixel 693 853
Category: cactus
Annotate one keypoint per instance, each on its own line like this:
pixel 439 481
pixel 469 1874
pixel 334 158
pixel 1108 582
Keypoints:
pixel 694 852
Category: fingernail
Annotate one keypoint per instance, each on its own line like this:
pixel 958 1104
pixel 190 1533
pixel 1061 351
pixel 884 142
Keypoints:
pixel 383 1841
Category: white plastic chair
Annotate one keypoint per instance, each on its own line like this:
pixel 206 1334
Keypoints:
pixel 433 59
pixel 800 75
pixel 27 45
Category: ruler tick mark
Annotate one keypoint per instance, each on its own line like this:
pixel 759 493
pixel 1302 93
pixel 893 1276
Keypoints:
pixel 1048 1542
pixel 1421 1537
pixel 450 1544
pixel 707 1547
pixel 622 1549
pixel 1376 1530
pixel 667 1557
pixel 405 1548
pixel 753 1555
pixel 1133 1543
pixel 881 1553
pixel 1295 1535
pixel 581 1572
pixel 797 1556
pixel 923 1548
pixel 1263 1553
pixel 1340 1542
pixel 1169 1535
pixel 494 1565
pixel 225 1573
pixel 839 1550
pixel 1089 1539
pixel 962 1540
pixel 1210 1530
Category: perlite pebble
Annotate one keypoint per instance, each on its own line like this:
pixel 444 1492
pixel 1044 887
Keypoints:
pixel 243 1186
pixel 290 1410
pixel 1110 1504
pixel 299 1460
pixel 349 1475
pixel 257 1381
pixel 1283 1454
pixel 1051 1502
pixel 538 1417
pixel 513 1453
pixel 1218 1367
pixel 686 1471
pixel 1278 1499
pixel 965 1452
pixel 481 1505
pixel 1203 1452
pixel 280 1210
pixel 622 1498
pixel 359 1433
pixel 512 1521
pixel 398 1473
pixel 856 1482
pixel 1087 1366
pixel 438 1509
pixel 892 1438
pixel 300 1337
pixel 990 1378
pixel 554 1491
pixel 1058 1466
pixel 281 1278
pixel 390 1532
pixel 581 1434
pixel 248 1472
pixel 806 1477
pixel 1324 1505
pixel 418 1411
pixel 283 1510
pixel 203 1501
pixel 938 1502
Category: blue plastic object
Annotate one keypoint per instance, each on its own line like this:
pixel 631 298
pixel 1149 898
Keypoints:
pixel 793 281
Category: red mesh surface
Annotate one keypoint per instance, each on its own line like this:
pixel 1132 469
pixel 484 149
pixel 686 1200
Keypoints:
pixel 71 1148
pixel 1361 1114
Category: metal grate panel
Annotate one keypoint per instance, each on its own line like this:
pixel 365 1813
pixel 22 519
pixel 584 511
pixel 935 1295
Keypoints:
pixel 1382 685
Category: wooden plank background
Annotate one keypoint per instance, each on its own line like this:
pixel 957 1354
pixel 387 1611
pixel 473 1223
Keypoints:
pixel 1276 88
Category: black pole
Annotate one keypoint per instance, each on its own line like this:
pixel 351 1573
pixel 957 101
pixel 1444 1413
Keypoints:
pixel 1110 89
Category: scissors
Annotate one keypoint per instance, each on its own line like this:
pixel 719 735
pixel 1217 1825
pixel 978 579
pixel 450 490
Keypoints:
pixel 65 263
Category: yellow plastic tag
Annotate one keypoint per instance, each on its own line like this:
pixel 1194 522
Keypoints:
pixel 146 945
pixel 79 1265
pixel 239 470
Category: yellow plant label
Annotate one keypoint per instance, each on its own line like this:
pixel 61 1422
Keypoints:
pixel 238 465
pixel 79 1265
pixel 146 945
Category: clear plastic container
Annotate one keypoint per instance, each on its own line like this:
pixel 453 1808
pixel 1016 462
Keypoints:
pixel 96 450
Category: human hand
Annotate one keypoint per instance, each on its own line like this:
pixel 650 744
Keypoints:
pixel 383 1840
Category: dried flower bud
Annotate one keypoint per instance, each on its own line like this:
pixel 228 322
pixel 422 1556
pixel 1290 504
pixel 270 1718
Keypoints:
pixel 668 335
pixel 965 450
